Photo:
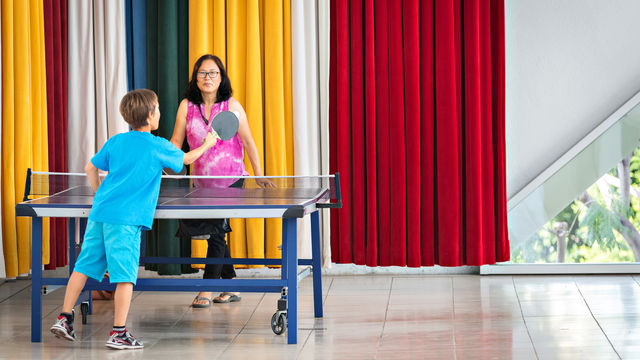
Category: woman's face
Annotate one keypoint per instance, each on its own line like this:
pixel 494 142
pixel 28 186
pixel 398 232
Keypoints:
pixel 208 76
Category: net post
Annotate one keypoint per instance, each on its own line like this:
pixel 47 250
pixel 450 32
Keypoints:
pixel 27 185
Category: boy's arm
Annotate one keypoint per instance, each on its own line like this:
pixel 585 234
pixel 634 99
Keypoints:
pixel 193 155
pixel 94 177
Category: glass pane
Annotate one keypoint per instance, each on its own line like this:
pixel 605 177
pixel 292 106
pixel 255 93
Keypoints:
pixel 578 214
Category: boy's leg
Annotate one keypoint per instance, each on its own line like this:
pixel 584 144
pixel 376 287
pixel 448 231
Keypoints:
pixel 119 337
pixel 91 262
pixel 63 327
pixel 122 302
pixel 122 244
pixel 74 287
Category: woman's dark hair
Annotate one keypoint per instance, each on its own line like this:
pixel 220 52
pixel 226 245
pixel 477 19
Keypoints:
pixel 192 92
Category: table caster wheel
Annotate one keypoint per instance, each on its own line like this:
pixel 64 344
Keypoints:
pixel 279 322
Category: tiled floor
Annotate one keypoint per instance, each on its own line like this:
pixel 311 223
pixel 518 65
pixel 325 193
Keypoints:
pixel 366 317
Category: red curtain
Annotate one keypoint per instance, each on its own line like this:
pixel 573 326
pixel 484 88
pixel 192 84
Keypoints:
pixel 417 132
pixel 55 25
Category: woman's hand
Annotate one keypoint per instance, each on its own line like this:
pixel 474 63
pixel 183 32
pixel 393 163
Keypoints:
pixel 265 183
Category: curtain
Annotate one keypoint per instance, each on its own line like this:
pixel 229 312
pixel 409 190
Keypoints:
pixel 81 126
pixel 305 98
pixel 24 124
pixel 55 24
pixel 136 32
pixel 167 74
pixel 3 273
pixel 417 132
pixel 97 53
pixel 253 39
pixel 323 89
pixel 109 28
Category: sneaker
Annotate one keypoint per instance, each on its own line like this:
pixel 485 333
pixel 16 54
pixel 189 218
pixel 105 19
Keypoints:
pixel 123 341
pixel 63 329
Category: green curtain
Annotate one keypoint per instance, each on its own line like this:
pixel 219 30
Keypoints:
pixel 167 75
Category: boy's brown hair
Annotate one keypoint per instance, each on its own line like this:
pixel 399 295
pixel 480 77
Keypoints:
pixel 136 105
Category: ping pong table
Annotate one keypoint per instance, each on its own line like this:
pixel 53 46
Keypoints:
pixel 65 195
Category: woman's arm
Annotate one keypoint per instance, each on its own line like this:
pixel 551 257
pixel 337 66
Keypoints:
pixel 180 127
pixel 245 135
pixel 248 143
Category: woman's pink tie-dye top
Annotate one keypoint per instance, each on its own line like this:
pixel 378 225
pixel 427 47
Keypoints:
pixel 224 158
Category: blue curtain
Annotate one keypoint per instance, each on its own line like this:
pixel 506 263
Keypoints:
pixel 136 22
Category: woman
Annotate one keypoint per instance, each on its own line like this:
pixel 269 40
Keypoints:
pixel 207 94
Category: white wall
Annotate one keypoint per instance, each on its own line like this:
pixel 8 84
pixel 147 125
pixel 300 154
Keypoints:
pixel 569 65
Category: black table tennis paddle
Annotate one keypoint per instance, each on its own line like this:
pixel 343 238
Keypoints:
pixel 225 124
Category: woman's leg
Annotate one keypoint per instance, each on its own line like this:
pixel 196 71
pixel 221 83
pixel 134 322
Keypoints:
pixel 215 249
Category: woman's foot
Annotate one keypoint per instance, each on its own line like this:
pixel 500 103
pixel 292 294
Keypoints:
pixel 226 297
pixel 202 300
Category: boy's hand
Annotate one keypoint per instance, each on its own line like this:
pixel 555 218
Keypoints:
pixel 210 140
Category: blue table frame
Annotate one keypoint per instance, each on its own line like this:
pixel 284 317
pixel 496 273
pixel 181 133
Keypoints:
pixel 289 275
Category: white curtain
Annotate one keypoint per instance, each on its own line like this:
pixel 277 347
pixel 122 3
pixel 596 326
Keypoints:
pixel 111 67
pixel 306 35
pixel 97 79
pixel 323 92
pixel 3 273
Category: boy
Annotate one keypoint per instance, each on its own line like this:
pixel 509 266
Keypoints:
pixel 124 204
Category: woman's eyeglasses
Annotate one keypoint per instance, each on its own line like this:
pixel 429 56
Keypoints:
pixel 212 74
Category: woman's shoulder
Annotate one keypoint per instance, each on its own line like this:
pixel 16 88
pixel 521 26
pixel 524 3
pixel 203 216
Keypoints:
pixel 185 102
pixel 234 104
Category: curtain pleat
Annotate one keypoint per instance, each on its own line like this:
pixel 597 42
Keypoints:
pixel 24 125
pixel 382 130
pixel 167 75
pixel 411 56
pixel 498 112
pixel 276 123
pixel 447 145
pixel 82 86
pixel 200 29
pixel 136 32
pixel 417 132
pixel 340 114
pixel 3 273
pixel 97 53
pixel 306 125
pixel 356 147
pixel 370 127
pixel 398 168
pixel 111 67
pixel 55 22
pixel 427 139
pixel 324 31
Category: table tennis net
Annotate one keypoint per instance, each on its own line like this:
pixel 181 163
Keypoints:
pixel 298 187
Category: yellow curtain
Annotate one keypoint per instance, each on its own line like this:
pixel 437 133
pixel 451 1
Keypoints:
pixel 24 124
pixel 253 39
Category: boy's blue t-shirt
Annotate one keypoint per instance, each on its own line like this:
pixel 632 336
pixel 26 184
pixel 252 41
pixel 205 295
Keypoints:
pixel 129 193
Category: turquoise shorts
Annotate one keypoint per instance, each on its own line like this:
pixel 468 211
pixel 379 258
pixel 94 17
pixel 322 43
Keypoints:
pixel 110 247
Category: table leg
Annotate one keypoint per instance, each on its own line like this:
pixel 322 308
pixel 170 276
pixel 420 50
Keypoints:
pixel 72 244
pixel 290 245
pixel 36 278
pixel 317 264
